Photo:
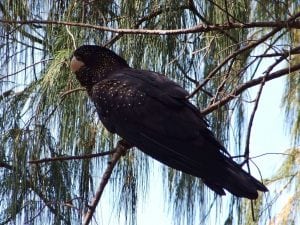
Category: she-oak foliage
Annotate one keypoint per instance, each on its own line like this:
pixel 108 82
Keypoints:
pixel 44 113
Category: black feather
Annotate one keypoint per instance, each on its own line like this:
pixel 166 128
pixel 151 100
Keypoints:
pixel 152 113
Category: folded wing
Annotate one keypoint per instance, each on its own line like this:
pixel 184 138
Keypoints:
pixel 152 113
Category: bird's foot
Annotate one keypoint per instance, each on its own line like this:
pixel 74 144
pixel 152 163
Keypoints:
pixel 125 144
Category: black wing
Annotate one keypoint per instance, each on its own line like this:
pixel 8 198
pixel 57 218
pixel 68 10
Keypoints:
pixel 152 113
pixel 151 101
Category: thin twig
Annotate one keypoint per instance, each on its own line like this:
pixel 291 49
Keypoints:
pixel 267 72
pixel 195 29
pixel 25 68
pixel 241 50
pixel 64 94
pixel 270 153
pixel 225 11
pixel 193 9
pixel 64 158
pixel 120 150
pixel 140 22
pixel 62 98
pixel 241 88
pixel 261 155
pixel 222 85
pixel 247 150
pixel 72 37
pixel 231 56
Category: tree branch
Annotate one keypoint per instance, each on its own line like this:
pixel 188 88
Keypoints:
pixel 251 45
pixel 290 23
pixel 64 94
pixel 231 56
pixel 23 69
pixel 247 85
pixel 64 158
pixel 247 147
pixel 120 150
pixel 141 21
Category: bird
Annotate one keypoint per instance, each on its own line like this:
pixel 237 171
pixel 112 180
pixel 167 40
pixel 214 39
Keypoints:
pixel 152 112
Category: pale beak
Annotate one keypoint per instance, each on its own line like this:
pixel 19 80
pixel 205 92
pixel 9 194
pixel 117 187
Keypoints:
pixel 76 64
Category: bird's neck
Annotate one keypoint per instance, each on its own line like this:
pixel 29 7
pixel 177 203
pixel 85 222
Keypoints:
pixel 88 77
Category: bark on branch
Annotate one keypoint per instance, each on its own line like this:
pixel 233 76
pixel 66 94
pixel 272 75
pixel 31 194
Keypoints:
pixel 247 85
pixel 290 23
pixel 120 150
pixel 231 56
pixel 64 158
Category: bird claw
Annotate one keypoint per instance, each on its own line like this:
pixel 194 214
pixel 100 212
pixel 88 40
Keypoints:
pixel 125 144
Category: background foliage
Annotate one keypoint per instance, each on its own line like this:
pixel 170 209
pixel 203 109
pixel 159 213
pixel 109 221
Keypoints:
pixel 45 114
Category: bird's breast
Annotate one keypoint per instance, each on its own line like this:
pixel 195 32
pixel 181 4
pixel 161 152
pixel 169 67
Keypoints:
pixel 112 97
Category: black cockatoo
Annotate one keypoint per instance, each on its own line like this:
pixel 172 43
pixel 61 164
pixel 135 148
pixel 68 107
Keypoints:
pixel 151 112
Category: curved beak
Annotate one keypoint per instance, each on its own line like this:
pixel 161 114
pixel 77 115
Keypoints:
pixel 75 64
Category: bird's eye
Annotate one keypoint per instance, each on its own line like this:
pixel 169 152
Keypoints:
pixel 79 58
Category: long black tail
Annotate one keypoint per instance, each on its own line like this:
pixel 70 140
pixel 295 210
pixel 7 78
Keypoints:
pixel 237 181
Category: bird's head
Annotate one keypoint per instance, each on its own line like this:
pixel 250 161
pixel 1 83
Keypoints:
pixel 92 63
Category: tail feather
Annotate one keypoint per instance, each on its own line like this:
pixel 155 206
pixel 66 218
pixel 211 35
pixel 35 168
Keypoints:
pixel 236 181
pixel 242 184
